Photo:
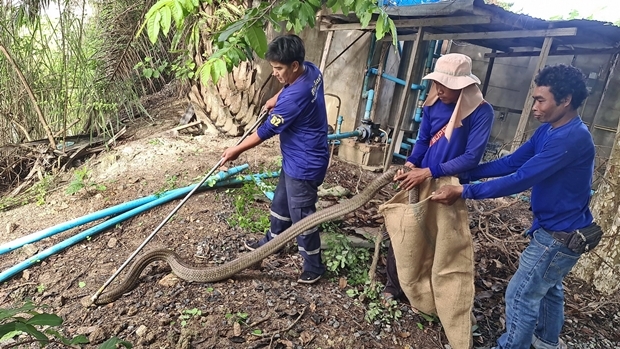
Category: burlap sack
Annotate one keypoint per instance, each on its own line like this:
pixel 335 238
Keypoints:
pixel 434 257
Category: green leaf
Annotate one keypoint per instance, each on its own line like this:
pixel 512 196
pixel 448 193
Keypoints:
pixel 112 342
pixel 166 19
pixel 365 19
pixel 81 284
pixel 205 74
pixel 81 339
pixel 231 29
pixel 31 330
pixel 379 30
pixel 188 4
pixel 219 68
pixel 152 27
pixel 9 335
pixel 26 308
pixel 309 13
pixel 257 39
pixel 147 72
pixel 315 3
pixel 45 320
pixel 257 331
pixel 178 14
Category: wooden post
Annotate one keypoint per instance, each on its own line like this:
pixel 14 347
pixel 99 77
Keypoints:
pixel 404 97
pixel 610 74
pixel 328 45
pixel 487 77
pixel 529 102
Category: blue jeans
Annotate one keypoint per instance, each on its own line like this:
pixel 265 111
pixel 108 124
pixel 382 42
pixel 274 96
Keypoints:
pixel 535 297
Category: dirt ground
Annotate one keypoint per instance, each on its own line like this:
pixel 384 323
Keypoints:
pixel 178 314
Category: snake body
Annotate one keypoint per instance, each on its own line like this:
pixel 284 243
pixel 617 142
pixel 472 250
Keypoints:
pixel 188 272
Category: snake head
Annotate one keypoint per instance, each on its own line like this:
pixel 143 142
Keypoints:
pixel 87 302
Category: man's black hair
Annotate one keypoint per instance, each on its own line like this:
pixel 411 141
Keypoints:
pixel 286 49
pixel 564 80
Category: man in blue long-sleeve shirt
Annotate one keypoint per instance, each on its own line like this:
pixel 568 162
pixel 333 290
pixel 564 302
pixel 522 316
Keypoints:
pixel 299 117
pixel 455 129
pixel 557 163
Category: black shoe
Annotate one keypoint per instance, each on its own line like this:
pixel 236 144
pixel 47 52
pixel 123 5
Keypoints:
pixel 308 277
pixel 251 245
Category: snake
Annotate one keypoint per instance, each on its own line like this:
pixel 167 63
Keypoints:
pixel 188 272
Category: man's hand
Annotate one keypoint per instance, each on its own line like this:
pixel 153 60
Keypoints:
pixel 230 154
pixel 409 165
pixel 412 178
pixel 448 194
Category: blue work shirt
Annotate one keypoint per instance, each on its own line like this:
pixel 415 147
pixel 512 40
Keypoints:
pixel 300 118
pixel 558 164
pixel 466 146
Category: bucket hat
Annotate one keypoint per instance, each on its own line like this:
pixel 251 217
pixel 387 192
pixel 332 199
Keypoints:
pixel 453 70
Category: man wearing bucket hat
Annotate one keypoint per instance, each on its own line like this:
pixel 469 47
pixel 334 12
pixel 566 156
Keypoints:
pixel 454 132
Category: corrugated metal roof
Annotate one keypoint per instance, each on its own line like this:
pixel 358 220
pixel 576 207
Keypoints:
pixel 591 34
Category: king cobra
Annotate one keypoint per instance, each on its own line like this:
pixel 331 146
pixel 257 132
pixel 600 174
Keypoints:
pixel 199 274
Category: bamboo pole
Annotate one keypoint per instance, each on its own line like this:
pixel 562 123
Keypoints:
pixel 48 131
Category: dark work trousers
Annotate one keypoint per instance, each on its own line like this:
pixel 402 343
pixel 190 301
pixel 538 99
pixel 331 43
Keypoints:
pixel 293 200
pixel 392 285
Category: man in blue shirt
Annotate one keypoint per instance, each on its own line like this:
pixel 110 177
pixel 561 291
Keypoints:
pixel 299 116
pixel 557 163
pixel 443 147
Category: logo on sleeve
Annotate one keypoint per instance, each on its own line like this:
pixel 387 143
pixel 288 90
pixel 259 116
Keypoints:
pixel 276 120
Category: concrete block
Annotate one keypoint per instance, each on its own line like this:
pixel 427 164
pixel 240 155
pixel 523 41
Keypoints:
pixel 369 156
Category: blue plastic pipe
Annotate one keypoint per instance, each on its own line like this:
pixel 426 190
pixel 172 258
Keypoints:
pixel 120 208
pixel 395 79
pixel 369 99
pixel 428 67
pixel 113 221
pixel 343 135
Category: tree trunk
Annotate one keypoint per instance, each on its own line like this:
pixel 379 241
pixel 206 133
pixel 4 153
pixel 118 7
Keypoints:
pixel 234 102
pixel 601 267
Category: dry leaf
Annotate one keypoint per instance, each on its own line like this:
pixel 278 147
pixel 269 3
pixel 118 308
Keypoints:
pixel 236 329
pixel 306 337
pixel 342 283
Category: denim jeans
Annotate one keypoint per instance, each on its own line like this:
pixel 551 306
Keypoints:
pixel 535 297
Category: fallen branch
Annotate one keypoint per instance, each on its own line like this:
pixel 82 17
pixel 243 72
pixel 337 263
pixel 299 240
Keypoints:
pixel 263 335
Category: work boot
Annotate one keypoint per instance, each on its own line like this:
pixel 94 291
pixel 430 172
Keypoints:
pixel 251 245
pixel 308 277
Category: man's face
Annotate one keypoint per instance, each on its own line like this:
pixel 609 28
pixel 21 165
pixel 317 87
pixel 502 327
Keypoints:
pixel 446 95
pixel 545 108
pixel 284 73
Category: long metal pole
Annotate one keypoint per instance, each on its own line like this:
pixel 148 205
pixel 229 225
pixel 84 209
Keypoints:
pixel 260 119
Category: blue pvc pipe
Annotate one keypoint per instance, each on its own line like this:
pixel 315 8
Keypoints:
pixel 396 155
pixel 110 223
pixel 395 79
pixel 45 233
pixel 371 54
pixel 351 134
pixel 428 67
pixel 339 121
pixel 369 99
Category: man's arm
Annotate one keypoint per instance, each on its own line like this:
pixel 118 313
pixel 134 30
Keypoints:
pixel 555 156
pixel 281 117
pixel 502 166
pixel 233 153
